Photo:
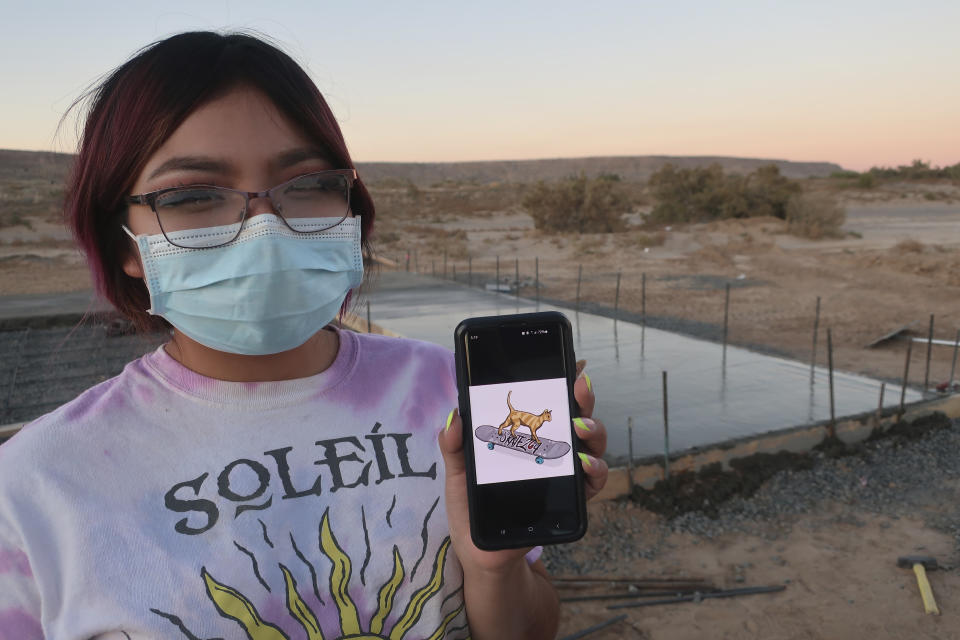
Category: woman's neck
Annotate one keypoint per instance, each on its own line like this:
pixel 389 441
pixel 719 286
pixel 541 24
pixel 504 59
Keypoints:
pixel 310 358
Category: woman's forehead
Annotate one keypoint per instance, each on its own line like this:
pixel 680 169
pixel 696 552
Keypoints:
pixel 240 129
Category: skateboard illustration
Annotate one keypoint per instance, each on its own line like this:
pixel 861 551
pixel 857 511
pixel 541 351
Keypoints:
pixel 544 449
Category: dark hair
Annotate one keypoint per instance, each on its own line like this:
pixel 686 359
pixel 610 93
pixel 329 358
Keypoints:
pixel 141 103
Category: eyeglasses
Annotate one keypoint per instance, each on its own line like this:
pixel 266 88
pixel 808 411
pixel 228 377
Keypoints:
pixel 307 204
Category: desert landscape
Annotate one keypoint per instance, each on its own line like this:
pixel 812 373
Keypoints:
pixel 830 533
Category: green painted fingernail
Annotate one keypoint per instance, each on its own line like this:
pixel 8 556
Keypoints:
pixel 586 377
pixel 580 424
pixel 449 420
pixel 585 459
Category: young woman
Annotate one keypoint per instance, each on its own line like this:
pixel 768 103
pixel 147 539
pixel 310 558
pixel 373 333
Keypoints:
pixel 262 475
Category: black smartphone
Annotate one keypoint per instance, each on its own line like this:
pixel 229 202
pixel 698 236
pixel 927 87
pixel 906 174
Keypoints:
pixel 515 376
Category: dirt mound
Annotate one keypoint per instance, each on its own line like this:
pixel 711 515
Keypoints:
pixel 938 263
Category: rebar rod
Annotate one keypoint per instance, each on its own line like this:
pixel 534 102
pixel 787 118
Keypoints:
pixel 906 375
pixel 953 365
pixel 816 328
pixel 666 431
pixel 597 627
pixel 630 452
pixel 729 593
pixel 643 299
pixel 726 314
pixel 833 413
pixel 579 280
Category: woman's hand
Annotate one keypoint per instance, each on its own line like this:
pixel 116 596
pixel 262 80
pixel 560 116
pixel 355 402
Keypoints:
pixel 493 575
pixel 592 434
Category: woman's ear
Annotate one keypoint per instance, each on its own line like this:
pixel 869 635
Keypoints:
pixel 131 264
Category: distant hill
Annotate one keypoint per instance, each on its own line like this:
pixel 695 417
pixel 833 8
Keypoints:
pixel 632 168
pixel 43 165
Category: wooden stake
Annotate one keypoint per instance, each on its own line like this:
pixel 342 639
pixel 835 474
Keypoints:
pixel 926 375
pixel 906 375
pixel 833 415
pixel 666 431
pixel 579 280
pixel 816 327
pixel 630 452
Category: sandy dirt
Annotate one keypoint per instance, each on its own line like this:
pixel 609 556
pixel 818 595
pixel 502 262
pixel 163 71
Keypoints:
pixel 899 263
pixel 840 575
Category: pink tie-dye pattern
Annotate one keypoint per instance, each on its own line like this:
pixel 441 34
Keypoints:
pixel 17 624
pixel 100 400
pixel 15 561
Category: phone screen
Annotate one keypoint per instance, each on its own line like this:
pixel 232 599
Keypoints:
pixel 523 449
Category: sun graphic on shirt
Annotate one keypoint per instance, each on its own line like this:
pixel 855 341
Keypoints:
pixel 233 604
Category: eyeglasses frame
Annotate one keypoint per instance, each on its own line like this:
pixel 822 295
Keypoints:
pixel 150 199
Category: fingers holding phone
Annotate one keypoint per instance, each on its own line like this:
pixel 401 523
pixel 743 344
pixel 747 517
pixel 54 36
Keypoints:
pixel 592 445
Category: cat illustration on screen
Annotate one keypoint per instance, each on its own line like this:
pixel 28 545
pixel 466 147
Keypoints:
pixel 518 418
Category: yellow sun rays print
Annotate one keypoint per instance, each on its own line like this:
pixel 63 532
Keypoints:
pixel 232 604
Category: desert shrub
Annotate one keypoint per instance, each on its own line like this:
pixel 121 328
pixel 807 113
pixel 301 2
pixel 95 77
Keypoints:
pixel 841 175
pixel 909 245
pixel 916 170
pixel 22 200
pixel 640 239
pixel 815 216
pixel 406 200
pixel 706 193
pixel 580 204
pixel 866 180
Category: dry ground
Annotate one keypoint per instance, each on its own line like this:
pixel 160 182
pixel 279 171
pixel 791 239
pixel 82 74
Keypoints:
pixel 840 576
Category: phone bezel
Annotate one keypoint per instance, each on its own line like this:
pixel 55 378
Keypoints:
pixel 518 539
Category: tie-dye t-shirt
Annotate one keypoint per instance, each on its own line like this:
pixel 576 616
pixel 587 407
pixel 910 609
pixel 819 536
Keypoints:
pixel 164 504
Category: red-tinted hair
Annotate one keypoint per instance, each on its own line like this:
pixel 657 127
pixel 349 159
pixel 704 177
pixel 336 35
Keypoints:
pixel 141 103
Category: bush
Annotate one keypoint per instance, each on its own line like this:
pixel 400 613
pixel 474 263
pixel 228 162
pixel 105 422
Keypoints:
pixel 581 204
pixel 815 216
pixel 706 193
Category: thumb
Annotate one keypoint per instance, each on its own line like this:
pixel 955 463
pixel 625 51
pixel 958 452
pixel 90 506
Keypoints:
pixel 451 443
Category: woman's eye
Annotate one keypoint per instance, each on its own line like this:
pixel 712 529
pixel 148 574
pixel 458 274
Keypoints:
pixel 194 199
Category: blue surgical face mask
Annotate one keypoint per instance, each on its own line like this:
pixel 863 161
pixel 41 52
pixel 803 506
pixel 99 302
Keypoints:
pixel 268 291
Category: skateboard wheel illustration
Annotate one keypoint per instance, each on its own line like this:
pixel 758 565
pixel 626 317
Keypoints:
pixel 490 446
pixel 539 460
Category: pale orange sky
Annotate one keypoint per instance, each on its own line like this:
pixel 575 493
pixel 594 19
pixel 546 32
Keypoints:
pixel 856 83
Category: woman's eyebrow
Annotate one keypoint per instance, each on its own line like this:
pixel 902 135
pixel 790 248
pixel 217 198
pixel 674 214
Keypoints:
pixel 298 155
pixel 190 163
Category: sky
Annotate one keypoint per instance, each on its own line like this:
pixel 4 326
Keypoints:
pixel 859 83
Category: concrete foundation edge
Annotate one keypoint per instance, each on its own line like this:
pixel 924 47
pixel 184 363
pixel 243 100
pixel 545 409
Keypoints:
pixel 850 430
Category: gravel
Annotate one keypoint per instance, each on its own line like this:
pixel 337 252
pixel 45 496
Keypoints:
pixel 894 476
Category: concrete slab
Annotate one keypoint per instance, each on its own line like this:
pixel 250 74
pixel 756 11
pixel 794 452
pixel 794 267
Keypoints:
pixel 715 394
